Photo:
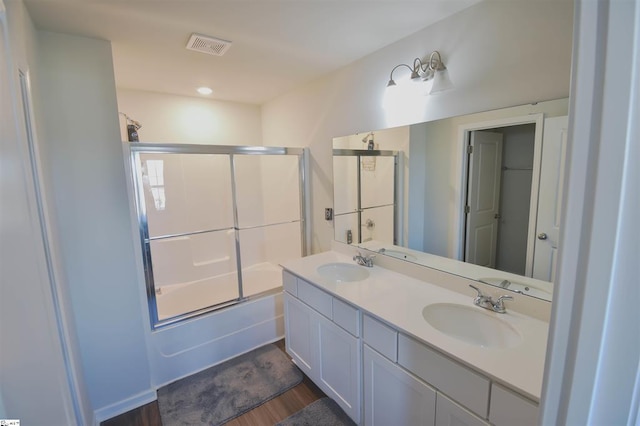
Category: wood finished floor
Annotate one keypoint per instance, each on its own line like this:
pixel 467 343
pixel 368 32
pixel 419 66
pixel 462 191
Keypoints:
pixel 267 414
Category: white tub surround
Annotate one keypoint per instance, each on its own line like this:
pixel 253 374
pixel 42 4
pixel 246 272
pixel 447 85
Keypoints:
pixel 398 301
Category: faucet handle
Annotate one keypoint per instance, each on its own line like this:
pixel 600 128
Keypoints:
pixel 476 289
pixel 480 300
pixel 364 260
pixel 498 306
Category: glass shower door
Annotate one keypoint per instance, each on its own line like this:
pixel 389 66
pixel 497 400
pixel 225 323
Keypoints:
pixel 189 234
pixel 377 199
pixel 364 185
pixel 346 199
pixel 270 225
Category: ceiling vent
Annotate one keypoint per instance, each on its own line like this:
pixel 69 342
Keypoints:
pixel 209 45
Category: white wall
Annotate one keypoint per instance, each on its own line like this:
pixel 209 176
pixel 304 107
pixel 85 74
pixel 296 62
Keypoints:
pixel 122 360
pixel 182 119
pixel 39 371
pixel 592 374
pixel 84 168
pixel 493 52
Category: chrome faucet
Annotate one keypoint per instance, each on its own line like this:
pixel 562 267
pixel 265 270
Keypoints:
pixel 487 302
pixel 364 260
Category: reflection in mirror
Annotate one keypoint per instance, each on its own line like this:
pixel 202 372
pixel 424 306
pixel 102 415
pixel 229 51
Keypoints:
pixel 366 188
pixel 476 195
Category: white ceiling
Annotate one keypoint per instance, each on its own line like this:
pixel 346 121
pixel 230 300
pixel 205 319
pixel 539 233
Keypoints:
pixel 277 44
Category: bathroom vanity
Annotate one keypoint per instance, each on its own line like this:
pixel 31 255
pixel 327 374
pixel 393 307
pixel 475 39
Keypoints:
pixel 392 349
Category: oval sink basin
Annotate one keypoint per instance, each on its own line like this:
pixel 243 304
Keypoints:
pixel 343 272
pixel 471 325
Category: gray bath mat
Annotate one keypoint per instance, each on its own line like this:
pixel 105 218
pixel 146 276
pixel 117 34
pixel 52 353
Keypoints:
pixel 323 412
pixel 220 393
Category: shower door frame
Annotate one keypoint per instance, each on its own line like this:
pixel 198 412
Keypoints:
pixel 397 186
pixel 136 148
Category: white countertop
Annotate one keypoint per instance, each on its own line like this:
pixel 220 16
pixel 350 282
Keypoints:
pixel 399 300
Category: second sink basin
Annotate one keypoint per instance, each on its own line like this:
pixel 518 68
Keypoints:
pixel 343 272
pixel 471 325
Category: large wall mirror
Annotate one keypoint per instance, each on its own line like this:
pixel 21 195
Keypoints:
pixel 476 195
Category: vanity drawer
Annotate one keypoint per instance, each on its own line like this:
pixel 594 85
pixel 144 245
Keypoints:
pixel 460 383
pixel 508 408
pixel 346 316
pixel 290 283
pixel 380 337
pixel 316 298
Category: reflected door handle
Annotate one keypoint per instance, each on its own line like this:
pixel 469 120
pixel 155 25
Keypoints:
pixel 542 236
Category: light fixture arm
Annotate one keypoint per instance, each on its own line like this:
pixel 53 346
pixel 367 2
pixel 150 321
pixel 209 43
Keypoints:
pixel 435 63
pixel 425 71
pixel 391 82
pixel 418 65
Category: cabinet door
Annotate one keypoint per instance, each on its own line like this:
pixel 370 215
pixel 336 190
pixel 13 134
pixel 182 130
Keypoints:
pixel 448 413
pixel 338 366
pixel 508 408
pixel 392 396
pixel 300 333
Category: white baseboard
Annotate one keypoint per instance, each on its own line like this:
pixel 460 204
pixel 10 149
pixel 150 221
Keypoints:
pixel 123 406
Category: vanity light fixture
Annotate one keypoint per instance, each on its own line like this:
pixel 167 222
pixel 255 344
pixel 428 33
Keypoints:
pixel 431 70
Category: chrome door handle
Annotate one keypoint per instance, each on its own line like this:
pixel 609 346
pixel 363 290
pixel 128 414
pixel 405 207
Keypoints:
pixel 542 236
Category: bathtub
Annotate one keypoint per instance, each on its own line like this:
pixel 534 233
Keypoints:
pixel 178 299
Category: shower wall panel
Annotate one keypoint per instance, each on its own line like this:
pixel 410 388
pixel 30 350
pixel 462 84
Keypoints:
pixel 345 187
pixel 344 223
pixel 186 193
pixel 377 181
pixel 267 189
pixel 185 259
pixel 377 224
pixel 273 244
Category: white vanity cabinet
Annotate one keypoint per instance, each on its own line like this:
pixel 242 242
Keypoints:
pixel 381 375
pixel 469 388
pixel 392 396
pixel 404 381
pixel 321 335
pixel 508 408
pixel 300 326
pixel 449 413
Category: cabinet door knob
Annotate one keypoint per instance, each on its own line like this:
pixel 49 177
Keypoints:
pixel 542 236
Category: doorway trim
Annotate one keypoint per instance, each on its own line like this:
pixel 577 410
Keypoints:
pixel 461 170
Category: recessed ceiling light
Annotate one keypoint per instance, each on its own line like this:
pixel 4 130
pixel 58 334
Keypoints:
pixel 204 90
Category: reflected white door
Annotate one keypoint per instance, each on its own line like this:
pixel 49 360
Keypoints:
pixel 554 143
pixel 483 198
